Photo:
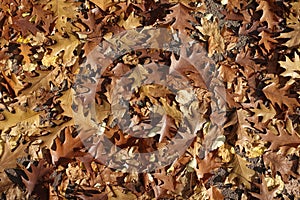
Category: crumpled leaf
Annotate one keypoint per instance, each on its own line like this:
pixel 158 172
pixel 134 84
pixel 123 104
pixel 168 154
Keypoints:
pixel 212 34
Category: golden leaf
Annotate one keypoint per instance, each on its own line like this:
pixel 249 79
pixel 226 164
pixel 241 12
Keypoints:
pixel 241 171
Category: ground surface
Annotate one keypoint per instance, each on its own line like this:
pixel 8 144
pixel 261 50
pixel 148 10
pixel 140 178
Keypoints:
pixel 218 80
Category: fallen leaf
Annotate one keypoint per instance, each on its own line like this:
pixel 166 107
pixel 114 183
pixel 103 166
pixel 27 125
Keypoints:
pixel 241 171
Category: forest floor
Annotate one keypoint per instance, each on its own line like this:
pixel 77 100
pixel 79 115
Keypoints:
pixel 149 99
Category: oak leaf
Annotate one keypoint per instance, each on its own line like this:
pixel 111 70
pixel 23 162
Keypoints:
pixel 243 125
pixel 131 22
pixel 181 15
pixel 8 158
pixel 268 16
pixel 241 171
pixel 65 149
pixel 36 175
pixel 26 52
pixel 279 95
pixel 8 161
pixel 293 36
pixel 245 59
pixel 165 181
pixel 53 134
pixel 292 68
pixel 283 139
pixel 264 193
pixel 294 23
pixel 65 11
pixel 267 114
pixel 15 84
pixel 267 40
pixel 66 101
pixel 279 163
pixel 103 4
pixel 39 14
pixel 207 165
pixel 215 193
pixel 20 116
pixel 42 81
pixel 67 45
pixel 24 25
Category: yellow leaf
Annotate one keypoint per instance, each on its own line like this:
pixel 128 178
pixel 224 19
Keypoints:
pixel 225 153
pixel 66 102
pixel 23 40
pixel 12 119
pixel 103 4
pixel 131 22
pixel 254 152
pixel 68 45
pixel 241 171
pixel 64 10
pixel 49 60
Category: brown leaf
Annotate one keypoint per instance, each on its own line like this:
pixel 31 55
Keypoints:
pixel 15 84
pixel 279 95
pixel 181 15
pixel 36 175
pixel 283 139
pixel 268 16
pixel 66 101
pixel 215 193
pixel 279 163
pixel 267 40
pixel 265 193
pixel 9 160
pixel 165 181
pixel 9 157
pixel 42 81
pixel 103 4
pixel 66 148
pixel 168 125
pixel 131 22
pixel 292 68
pixel 212 34
pixel 24 25
pixel 245 59
pixel 267 114
pixel 206 165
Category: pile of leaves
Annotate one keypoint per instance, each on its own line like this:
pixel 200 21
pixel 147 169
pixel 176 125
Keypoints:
pixel 255 48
